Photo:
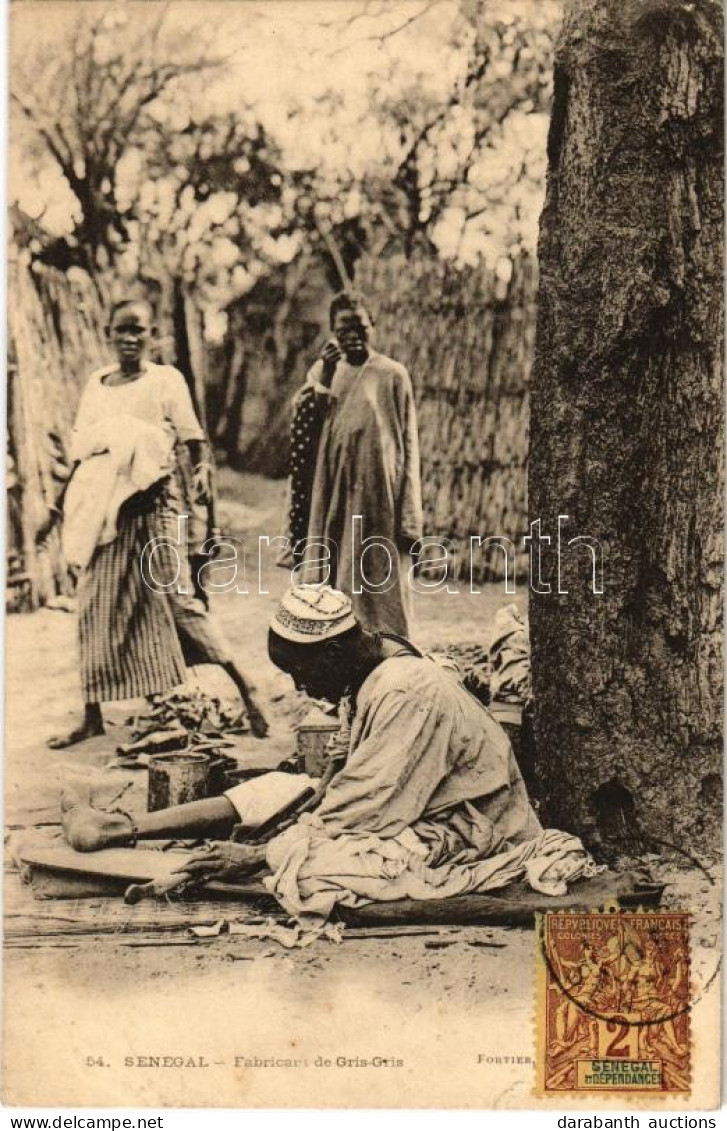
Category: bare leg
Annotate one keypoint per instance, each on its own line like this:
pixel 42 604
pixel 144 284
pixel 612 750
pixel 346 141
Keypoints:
pixel 258 722
pixel 213 816
pixel 88 830
pixel 201 638
pixel 91 725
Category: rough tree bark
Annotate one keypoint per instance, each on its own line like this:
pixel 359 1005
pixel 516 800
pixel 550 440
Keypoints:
pixel 626 426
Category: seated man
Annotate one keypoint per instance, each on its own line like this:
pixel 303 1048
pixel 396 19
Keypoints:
pixel 429 800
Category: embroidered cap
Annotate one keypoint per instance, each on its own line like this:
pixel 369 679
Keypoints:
pixel 309 614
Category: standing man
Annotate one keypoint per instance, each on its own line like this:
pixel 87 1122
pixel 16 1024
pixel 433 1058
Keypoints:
pixel 355 473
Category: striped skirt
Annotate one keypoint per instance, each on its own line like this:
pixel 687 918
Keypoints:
pixel 128 639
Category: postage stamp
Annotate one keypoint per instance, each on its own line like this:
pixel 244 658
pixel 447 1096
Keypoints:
pixel 613 1003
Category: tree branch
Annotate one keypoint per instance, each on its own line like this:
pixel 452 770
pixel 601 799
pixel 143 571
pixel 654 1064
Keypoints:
pixel 65 160
pixel 382 37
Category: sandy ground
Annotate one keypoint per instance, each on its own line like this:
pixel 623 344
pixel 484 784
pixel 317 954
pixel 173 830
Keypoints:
pixel 458 1013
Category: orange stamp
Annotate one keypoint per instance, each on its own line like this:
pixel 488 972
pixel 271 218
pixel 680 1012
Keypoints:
pixel 613 1003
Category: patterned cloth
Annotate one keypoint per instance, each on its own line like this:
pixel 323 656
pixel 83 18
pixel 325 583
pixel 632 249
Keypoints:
pixel 202 640
pixel 128 642
pixel 134 641
pixel 308 414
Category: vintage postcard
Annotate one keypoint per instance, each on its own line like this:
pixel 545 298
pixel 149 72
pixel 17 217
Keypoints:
pixel 364 482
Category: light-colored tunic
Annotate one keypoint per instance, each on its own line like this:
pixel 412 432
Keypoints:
pixel 159 396
pixel 368 465
pixel 134 640
pixel 430 803
pixel 423 748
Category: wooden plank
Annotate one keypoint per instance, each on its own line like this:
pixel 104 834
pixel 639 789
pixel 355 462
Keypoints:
pixel 132 864
pixel 49 884
pixel 515 906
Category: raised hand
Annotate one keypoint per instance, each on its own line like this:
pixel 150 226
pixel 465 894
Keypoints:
pixel 330 355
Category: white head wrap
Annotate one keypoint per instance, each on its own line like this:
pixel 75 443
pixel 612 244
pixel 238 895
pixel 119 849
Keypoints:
pixel 309 614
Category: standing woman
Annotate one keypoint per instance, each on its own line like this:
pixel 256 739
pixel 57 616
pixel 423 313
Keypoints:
pixel 355 472
pixel 133 638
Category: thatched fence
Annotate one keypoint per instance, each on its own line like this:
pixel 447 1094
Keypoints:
pixel 467 338
pixel 55 337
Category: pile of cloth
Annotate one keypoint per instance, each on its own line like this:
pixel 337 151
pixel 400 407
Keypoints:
pixel 510 657
pixel 429 804
pixel 197 712
pixel 116 459
pixel 188 719
pixel 314 871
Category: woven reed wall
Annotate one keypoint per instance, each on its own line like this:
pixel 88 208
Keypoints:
pixel 465 336
pixel 55 338
pixel 467 339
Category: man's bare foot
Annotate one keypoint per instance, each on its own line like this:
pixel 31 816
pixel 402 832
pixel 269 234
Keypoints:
pixel 80 733
pixel 75 798
pixel 88 830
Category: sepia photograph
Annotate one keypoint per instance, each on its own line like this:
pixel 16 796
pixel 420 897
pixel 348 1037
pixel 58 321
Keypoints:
pixel 364 555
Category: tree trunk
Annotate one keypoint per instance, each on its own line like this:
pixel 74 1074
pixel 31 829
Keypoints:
pixel 181 315
pixel 232 390
pixel 626 426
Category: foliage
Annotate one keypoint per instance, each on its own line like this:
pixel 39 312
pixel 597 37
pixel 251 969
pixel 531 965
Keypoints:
pixel 457 157
pixel 84 92
pixel 208 195
pixel 173 161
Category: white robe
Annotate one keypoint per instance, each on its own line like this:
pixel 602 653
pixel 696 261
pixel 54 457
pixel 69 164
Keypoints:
pixel 368 469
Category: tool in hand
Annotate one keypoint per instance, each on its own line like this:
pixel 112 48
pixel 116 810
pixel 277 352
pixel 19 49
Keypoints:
pixel 153 889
